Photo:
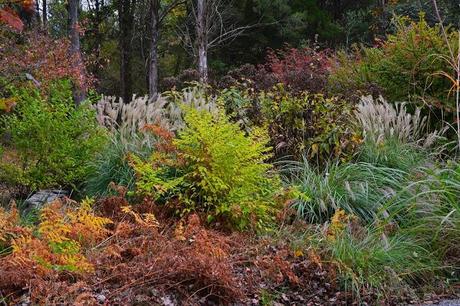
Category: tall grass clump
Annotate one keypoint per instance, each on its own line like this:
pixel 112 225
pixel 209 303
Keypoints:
pixel 412 238
pixel 432 211
pixel 394 137
pixel 370 261
pixel 391 153
pixel 112 163
pixel 358 188
pixel 395 145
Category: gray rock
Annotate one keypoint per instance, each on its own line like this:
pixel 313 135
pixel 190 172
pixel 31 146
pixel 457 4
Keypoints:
pixel 101 298
pixel 168 301
pixel 43 197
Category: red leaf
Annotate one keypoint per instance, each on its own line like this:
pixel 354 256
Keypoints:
pixel 12 19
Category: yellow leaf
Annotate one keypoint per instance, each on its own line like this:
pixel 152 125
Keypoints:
pixel 298 253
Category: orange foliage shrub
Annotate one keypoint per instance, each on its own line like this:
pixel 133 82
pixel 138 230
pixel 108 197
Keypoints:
pixel 144 260
pixel 10 17
pixel 8 225
pixel 58 244
pixel 198 261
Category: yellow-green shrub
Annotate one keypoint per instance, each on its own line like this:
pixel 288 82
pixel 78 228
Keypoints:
pixel 52 139
pixel 213 167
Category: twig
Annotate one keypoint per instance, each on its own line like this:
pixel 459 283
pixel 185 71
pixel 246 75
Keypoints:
pixel 3 299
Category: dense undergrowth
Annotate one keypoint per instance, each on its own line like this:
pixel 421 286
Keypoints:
pixel 286 188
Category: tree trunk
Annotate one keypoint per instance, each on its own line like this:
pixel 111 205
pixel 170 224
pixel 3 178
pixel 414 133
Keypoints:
pixel 37 13
pixel 126 20
pixel 45 15
pixel 153 57
pixel 202 40
pixel 97 35
pixel 74 36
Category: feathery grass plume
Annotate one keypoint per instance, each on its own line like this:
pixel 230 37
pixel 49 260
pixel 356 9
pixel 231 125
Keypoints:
pixel 165 111
pixel 195 97
pixel 381 120
pixel 129 118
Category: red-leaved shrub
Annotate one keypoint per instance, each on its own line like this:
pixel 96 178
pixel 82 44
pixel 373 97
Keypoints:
pixel 304 69
pixel 38 56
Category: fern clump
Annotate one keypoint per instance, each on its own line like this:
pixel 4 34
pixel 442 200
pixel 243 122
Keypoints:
pixel 213 167
pixel 58 243
pixel 8 221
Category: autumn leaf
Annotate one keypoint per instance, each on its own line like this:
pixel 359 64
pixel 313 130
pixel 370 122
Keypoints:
pixel 7 104
pixel 298 253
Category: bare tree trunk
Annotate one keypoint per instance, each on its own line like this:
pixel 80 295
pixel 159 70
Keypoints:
pixel 79 93
pixel 126 19
pixel 153 57
pixel 45 15
pixel 37 13
pixel 97 34
pixel 202 39
pixel 213 25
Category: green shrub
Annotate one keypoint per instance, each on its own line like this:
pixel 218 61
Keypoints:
pixel 308 124
pixel 405 66
pixel 213 167
pixel 239 106
pixel 299 123
pixel 351 78
pixel 52 139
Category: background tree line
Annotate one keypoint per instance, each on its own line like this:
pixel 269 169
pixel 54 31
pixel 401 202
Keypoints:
pixel 138 46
